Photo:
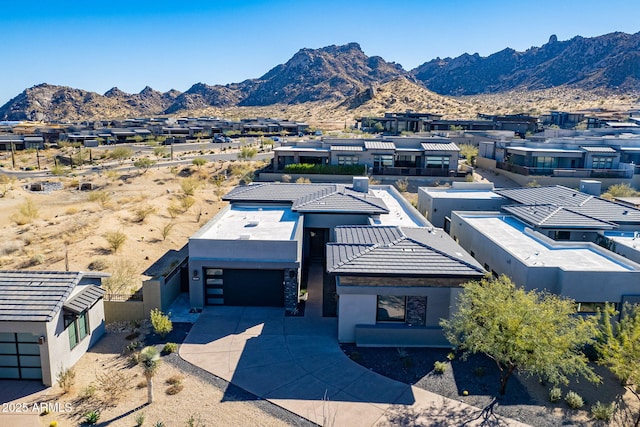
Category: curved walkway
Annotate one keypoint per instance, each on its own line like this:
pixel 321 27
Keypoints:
pixel 296 363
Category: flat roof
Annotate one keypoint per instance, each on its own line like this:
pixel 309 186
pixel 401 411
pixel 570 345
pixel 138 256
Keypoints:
pixel 508 233
pixel 399 214
pixel 251 223
pixel 453 193
pixel 631 239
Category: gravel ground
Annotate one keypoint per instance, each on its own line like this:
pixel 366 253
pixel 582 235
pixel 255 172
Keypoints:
pixel 479 377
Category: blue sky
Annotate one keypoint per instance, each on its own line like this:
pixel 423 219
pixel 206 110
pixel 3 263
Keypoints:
pixel 96 45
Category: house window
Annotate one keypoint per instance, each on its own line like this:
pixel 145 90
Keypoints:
pixel 562 235
pixel 602 163
pixel 436 162
pixel 406 161
pixel 347 160
pixel 78 327
pixel 545 162
pixel 391 308
pixel 382 161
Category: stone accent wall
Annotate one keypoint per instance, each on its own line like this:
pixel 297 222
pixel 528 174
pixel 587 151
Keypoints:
pixel 416 310
pixel 291 289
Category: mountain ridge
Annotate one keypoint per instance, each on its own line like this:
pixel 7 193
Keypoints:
pixel 338 72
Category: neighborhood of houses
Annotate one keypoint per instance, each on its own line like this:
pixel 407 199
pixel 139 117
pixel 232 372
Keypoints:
pixel 394 270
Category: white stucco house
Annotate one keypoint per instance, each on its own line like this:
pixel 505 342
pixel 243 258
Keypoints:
pixel 48 320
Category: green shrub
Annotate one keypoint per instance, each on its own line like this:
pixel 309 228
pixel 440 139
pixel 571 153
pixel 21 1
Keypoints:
pixel 574 400
pixel 92 417
pixel 139 418
pixel 161 323
pixel 306 168
pixel 602 411
pixel 170 347
pixel 555 394
pixel 439 367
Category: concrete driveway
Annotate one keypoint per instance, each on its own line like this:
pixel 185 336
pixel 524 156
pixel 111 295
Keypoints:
pixel 296 363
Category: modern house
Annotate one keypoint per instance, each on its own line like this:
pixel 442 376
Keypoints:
pixel 428 156
pixel 48 320
pixel 371 240
pixel 395 283
pixel 437 203
pixel 583 271
pixel 611 155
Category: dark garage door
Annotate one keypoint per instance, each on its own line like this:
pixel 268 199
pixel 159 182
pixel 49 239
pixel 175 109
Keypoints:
pixel 262 288
pixel 19 357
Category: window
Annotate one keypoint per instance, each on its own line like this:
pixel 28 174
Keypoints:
pixel 602 163
pixel 562 235
pixel 545 162
pixel 383 161
pixel 78 327
pixel 406 161
pixel 391 308
pixel 347 160
pixel 436 162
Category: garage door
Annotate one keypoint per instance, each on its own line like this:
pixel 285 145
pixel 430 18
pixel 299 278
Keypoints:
pixel 19 357
pixel 262 288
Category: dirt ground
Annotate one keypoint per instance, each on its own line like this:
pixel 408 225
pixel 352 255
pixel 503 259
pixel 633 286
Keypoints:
pixel 69 228
pixel 199 400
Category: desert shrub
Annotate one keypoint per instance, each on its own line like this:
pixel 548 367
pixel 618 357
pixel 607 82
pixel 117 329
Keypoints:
pixel 574 400
pixel 193 421
pixel 170 347
pixel 92 417
pixel 141 213
pixel 36 259
pixel 186 202
pixel 115 239
pixel 199 162
pixel 555 394
pixel 303 180
pixel 166 230
pixel 174 379
pixel 439 367
pixel 402 185
pixel 286 178
pixel 114 385
pixel 174 389
pixel 87 392
pixel 124 277
pixel 161 323
pixel 66 379
pixel 98 264
pixel 100 197
pixel 174 210
pixel 159 424
pixel 602 411
pixel 139 418
pixel 189 186
pixel 27 212
pixel 141 384
pixel 10 246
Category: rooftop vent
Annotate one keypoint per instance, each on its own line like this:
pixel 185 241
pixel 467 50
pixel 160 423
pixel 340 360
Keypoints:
pixel 245 236
pixel 253 223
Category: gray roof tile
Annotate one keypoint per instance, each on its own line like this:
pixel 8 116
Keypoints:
pixel 552 216
pixel 427 146
pixel 84 300
pixel 371 250
pixel 379 145
pixel 34 296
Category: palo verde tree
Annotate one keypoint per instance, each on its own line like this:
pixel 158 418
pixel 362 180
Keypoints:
pixel 532 332
pixel 619 347
pixel 144 163
pixel 121 154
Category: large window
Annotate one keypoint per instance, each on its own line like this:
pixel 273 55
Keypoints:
pixel 78 327
pixel 592 307
pixel 436 162
pixel 545 162
pixel 382 161
pixel 347 160
pixel 391 308
pixel 406 161
pixel 602 163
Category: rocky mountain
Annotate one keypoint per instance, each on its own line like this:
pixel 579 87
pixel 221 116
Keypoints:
pixel 611 61
pixel 344 73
